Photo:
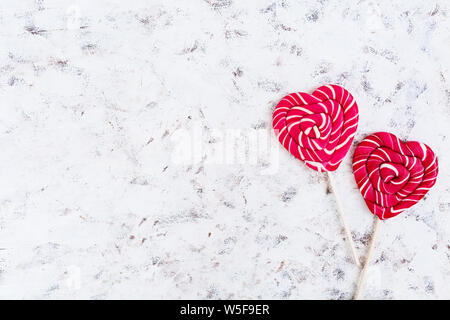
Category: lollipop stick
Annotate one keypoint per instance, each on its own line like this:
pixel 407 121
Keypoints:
pixel 341 213
pixel 369 253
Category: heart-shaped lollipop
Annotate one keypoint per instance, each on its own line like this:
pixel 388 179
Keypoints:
pixel 317 128
pixel 393 175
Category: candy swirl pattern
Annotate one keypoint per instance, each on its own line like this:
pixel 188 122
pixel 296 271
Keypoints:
pixel 317 128
pixel 393 175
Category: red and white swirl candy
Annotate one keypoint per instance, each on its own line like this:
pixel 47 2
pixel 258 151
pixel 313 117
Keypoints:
pixel 393 175
pixel 317 128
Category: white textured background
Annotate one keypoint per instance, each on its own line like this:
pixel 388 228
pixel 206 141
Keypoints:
pixel 93 205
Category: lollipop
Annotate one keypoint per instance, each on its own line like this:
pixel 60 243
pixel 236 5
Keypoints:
pixel 318 129
pixel 392 176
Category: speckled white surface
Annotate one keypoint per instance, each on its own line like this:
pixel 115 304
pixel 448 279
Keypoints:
pixel 94 204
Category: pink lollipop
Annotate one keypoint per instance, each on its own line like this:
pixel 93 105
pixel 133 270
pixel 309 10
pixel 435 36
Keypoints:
pixel 318 129
pixel 392 176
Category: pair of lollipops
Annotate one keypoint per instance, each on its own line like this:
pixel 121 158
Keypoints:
pixel 392 175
